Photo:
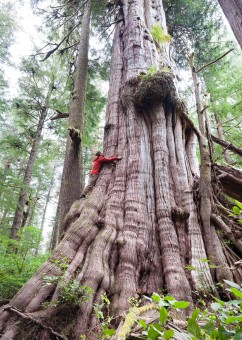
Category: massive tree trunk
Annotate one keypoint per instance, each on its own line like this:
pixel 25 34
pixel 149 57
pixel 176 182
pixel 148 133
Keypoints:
pixel 140 227
pixel 71 183
pixel 233 12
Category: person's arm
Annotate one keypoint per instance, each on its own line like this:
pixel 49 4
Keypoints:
pixel 109 159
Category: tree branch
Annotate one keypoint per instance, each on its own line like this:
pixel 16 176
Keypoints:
pixel 214 61
pixel 27 317
pixel 60 115
pixel 49 53
pixel 227 145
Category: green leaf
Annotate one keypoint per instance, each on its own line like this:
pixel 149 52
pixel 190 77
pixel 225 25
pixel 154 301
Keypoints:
pixel 158 327
pixel 109 331
pixel 216 306
pixel 152 334
pixel 156 297
pixel 168 334
pixel 209 328
pixel 204 260
pixel 232 284
pixel 236 210
pixel 236 292
pixel 195 313
pixel 142 323
pixel 169 298
pixel 240 221
pixel 219 301
pixel 223 334
pixel 239 204
pixel 193 328
pixel 181 304
pixel 233 319
pixel 163 315
pixel 163 303
pixel 238 334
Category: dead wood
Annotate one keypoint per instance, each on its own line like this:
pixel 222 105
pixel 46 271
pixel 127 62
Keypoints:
pixel 227 145
pixel 60 115
pixel 231 180
pixel 36 321
pixel 228 232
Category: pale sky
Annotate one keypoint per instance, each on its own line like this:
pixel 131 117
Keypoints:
pixel 24 41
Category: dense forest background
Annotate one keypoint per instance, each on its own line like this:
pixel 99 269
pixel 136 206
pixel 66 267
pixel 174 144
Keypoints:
pixel 54 86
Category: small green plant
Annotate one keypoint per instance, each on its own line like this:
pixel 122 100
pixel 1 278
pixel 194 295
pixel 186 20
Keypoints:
pixel 158 34
pixel 72 292
pixel 237 211
pixel 75 293
pixel 149 73
pixel 222 321
pixel 104 321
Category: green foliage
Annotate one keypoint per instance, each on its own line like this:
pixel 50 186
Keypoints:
pixel 222 320
pixel 18 266
pixel 195 25
pixel 158 34
pixel 101 311
pixel 7 28
pixel 237 210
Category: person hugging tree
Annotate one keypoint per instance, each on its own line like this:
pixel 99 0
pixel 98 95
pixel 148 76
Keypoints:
pixel 98 160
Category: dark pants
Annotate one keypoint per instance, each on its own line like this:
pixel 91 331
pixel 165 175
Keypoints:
pixel 91 182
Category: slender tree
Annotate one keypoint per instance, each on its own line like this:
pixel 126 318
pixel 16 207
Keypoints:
pixel 71 184
pixel 140 227
pixel 43 111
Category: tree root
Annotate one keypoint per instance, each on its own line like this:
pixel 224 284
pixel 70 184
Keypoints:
pixel 38 322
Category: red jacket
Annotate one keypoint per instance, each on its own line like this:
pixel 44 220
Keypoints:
pixel 97 163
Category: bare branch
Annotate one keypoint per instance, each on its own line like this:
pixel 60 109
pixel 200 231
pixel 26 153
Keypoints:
pixel 49 53
pixel 227 145
pixel 28 317
pixel 60 115
pixel 214 61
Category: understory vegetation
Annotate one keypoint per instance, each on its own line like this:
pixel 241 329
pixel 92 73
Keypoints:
pixel 154 250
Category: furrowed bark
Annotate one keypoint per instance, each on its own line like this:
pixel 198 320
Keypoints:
pixel 139 229
pixel 233 12
pixel 205 168
pixel 71 183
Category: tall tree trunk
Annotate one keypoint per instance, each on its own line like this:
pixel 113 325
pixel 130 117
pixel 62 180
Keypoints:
pixel 55 231
pixel 18 217
pixel 205 189
pixel 233 12
pixel 47 201
pixel 71 183
pixel 139 228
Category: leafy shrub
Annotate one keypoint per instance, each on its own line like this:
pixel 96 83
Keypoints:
pixel 18 261
pixel 222 320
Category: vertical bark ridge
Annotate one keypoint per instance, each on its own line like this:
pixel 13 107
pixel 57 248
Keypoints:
pixel 173 271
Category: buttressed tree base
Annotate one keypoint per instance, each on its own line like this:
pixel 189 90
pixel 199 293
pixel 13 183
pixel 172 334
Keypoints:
pixel 139 229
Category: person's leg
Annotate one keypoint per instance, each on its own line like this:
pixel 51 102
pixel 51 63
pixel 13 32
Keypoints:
pixel 91 182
